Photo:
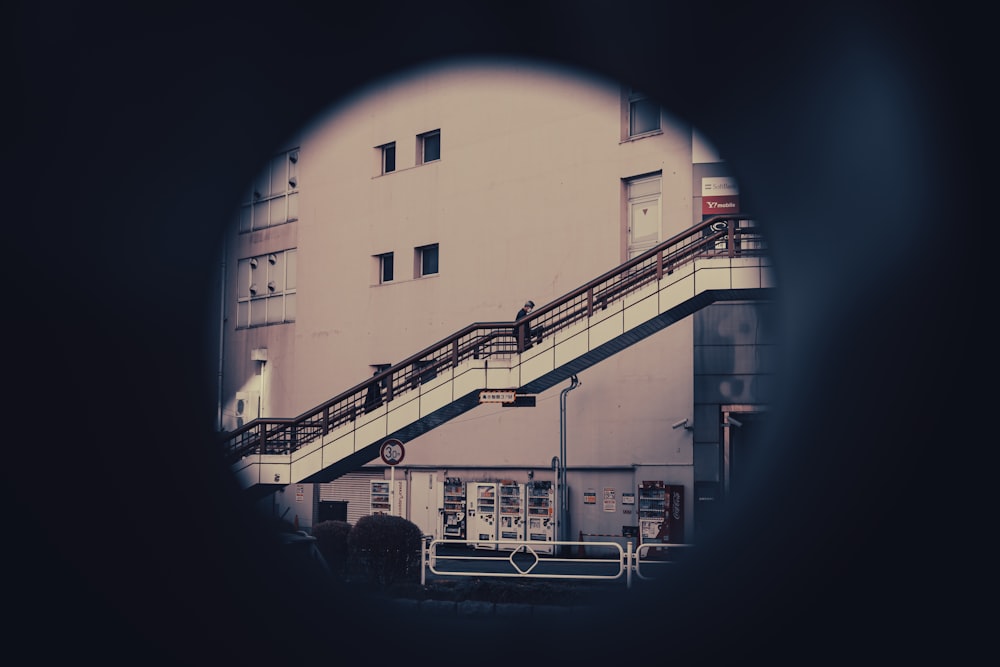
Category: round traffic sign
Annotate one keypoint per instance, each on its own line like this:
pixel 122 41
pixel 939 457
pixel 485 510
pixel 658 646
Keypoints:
pixel 392 451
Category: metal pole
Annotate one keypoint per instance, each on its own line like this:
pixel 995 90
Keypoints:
pixel 392 489
pixel 564 487
pixel 425 549
pixel 260 396
pixel 222 332
pixel 557 499
pixel 628 573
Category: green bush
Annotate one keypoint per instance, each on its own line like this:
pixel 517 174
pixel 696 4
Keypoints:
pixel 386 549
pixel 331 539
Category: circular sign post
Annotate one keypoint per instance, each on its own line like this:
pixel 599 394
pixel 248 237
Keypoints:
pixel 392 453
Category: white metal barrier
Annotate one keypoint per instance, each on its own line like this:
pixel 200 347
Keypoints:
pixel 532 560
pixel 654 555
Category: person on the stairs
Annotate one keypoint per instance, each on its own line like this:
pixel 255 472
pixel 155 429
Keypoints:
pixel 373 399
pixel 530 335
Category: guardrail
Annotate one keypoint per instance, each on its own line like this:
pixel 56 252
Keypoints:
pixel 607 561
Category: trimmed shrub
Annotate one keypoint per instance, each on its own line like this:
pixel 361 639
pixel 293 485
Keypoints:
pixel 331 539
pixel 386 549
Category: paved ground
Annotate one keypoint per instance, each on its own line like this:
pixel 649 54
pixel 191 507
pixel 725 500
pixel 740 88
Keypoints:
pixel 480 609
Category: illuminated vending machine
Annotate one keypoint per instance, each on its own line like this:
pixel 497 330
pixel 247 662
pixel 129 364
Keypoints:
pixel 652 510
pixel 511 514
pixel 673 523
pixel 481 501
pixel 380 498
pixel 388 499
pixel 453 510
pixel 541 529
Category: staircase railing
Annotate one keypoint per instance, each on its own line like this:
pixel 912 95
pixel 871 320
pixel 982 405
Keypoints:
pixel 719 236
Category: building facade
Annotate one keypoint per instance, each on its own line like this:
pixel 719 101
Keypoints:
pixel 451 195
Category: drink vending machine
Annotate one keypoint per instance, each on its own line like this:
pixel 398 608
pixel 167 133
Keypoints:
pixel 673 528
pixel 541 522
pixel 511 514
pixel 380 498
pixel 481 501
pixel 387 498
pixel 453 510
pixel 661 512
pixel 652 499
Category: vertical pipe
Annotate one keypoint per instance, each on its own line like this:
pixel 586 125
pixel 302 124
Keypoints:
pixel 260 395
pixel 557 498
pixel 392 490
pixel 628 562
pixel 425 549
pixel 564 487
pixel 222 329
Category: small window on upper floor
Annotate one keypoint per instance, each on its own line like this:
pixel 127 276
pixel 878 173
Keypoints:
pixel 388 154
pixel 429 147
pixel 425 260
pixel 385 267
pixel 643 113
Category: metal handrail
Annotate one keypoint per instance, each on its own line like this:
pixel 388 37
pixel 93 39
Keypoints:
pixel 719 236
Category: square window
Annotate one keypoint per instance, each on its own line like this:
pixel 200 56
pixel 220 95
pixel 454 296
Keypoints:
pixel 643 114
pixel 430 146
pixel 388 157
pixel 427 260
pixel 385 267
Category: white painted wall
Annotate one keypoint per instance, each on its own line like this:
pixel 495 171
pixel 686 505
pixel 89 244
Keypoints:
pixel 525 202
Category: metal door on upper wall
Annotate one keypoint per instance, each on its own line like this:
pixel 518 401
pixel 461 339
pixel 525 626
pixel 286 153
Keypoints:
pixel 643 217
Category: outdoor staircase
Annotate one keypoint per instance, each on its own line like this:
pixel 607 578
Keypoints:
pixel 721 259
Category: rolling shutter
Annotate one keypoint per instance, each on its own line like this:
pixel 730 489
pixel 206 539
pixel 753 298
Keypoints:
pixel 355 489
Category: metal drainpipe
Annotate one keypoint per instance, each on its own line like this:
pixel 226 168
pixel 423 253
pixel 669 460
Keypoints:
pixel 563 486
pixel 222 332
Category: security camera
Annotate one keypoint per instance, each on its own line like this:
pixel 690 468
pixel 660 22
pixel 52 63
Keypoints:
pixel 682 422
pixel 733 421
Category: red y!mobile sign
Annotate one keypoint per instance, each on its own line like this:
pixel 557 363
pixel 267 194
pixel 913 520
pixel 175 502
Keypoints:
pixel 719 195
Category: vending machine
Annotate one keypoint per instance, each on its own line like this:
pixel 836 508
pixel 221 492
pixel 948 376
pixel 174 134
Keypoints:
pixel 673 524
pixel 652 510
pixel 541 528
pixel 453 509
pixel 380 498
pixel 661 512
pixel 387 498
pixel 511 514
pixel 481 502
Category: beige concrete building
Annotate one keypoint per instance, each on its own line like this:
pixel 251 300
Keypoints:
pixel 451 196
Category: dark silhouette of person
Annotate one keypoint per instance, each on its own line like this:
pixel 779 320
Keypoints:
pixel 373 399
pixel 527 333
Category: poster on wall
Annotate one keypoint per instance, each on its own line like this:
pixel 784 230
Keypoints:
pixel 610 503
pixel 590 497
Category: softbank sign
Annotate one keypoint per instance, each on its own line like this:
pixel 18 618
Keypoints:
pixel 719 196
